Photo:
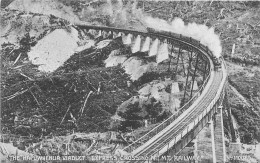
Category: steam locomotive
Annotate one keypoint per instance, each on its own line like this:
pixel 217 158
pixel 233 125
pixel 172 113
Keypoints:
pixel 216 61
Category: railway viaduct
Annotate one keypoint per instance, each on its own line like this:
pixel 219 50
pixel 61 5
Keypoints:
pixel 202 108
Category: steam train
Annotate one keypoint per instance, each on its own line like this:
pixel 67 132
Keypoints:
pixel 216 61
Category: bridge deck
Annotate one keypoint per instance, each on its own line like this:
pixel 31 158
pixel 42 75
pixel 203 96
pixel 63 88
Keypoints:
pixel 153 148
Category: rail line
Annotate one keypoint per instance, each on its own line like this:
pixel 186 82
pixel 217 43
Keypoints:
pixel 177 131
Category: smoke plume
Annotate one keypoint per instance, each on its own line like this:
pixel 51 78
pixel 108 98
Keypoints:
pixel 129 16
pixel 199 32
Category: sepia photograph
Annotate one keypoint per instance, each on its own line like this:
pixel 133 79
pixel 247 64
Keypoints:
pixel 122 81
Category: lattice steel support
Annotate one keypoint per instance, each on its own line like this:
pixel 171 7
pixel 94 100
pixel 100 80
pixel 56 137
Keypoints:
pixel 176 69
pixel 187 78
pixel 170 59
pixel 205 71
pixel 193 77
pixel 223 136
pixel 213 140
pixel 183 64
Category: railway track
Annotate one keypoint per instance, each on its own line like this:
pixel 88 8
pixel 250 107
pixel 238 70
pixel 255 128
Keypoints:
pixel 210 96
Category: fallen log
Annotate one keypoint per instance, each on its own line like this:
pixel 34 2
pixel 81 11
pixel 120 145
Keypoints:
pixel 65 115
pixel 85 102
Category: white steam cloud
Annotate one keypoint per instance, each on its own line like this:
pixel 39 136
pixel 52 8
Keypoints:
pixel 199 32
pixel 128 16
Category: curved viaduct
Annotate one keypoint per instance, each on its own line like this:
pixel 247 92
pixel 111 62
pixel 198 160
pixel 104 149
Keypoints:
pixel 174 133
